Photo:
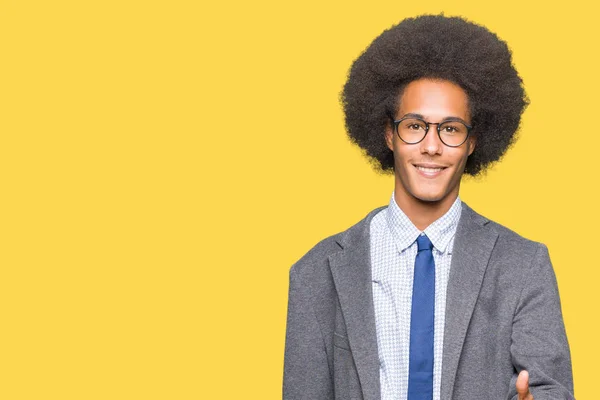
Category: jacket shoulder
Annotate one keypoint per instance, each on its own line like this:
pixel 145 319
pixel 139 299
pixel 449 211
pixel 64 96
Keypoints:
pixel 508 239
pixel 319 254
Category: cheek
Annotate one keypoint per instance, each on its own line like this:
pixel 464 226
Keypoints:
pixel 401 154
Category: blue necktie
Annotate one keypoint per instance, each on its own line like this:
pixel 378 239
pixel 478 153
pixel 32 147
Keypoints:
pixel 420 367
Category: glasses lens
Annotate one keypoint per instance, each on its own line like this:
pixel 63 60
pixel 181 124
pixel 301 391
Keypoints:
pixel 412 130
pixel 453 133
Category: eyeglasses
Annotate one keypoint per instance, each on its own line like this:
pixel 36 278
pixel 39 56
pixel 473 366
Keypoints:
pixel 413 130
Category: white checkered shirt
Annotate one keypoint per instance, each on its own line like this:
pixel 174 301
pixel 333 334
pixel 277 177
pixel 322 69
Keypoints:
pixel 393 253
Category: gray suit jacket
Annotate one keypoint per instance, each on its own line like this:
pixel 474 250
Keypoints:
pixel 503 315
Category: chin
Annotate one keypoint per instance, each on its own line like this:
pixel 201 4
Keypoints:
pixel 426 191
pixel 430 197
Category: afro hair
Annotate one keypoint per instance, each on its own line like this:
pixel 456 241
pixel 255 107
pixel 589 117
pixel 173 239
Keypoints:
pixel 436 47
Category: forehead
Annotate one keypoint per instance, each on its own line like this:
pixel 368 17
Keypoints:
pixel 434 99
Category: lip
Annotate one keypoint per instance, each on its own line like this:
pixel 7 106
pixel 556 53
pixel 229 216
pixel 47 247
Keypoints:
pixel 429 170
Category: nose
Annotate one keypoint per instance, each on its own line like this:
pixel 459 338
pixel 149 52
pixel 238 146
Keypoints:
pixel 432 144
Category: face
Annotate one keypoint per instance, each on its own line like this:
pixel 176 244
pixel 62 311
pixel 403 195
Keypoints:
pixel 430 171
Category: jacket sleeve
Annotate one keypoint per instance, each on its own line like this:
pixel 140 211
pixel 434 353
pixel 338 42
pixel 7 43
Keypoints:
pixel 539 342
pixel 306 371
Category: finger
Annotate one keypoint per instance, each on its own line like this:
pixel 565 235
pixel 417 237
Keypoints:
pixel 523 386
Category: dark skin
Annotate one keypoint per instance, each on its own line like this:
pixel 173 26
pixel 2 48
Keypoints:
pixel 427 174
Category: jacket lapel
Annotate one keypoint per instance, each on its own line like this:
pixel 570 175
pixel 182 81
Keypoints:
pixel 473 246
pixel 351 270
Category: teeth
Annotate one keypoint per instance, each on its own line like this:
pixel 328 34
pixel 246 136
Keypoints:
pixel 430 170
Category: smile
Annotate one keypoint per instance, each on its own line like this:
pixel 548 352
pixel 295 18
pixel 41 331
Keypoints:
pixel 430 172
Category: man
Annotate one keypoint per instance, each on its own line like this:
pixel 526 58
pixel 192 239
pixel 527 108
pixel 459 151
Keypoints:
pixel 425 298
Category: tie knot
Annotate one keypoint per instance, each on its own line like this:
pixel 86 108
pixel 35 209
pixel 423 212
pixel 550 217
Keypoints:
pixel 423 243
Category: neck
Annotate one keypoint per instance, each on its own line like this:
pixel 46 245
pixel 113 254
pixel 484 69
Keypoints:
pixel 423 213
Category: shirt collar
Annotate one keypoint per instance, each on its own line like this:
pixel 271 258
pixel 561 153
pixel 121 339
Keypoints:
pixel 440 232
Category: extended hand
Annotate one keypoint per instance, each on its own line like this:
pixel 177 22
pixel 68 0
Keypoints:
pixel 523 386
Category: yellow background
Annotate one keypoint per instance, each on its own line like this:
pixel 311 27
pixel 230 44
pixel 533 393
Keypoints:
pixel 163 163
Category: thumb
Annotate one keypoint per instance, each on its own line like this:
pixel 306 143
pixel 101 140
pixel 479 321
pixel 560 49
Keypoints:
pixel 523 386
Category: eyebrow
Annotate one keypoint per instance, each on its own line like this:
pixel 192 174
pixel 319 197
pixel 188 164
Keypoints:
pixel 420 116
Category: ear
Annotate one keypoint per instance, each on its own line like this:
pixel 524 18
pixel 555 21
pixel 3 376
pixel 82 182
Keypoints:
pixel 471 142
pixel 389 136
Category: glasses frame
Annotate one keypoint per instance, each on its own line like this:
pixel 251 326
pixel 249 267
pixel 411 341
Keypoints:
pixel 397 122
